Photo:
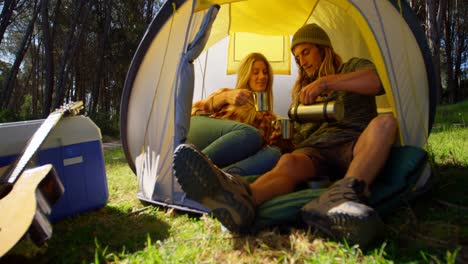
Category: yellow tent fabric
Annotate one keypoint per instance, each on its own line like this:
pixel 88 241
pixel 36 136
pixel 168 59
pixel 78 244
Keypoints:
pixel 205 4
pixel 240 18
pixel 256 25
pixel 277 51
pixel 244 15
pixel 372 29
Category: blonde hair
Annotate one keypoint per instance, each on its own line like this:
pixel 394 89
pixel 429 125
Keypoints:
pixel 245 69
pixel 331 63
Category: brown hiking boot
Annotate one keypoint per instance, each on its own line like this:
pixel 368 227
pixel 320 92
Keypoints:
pixel 341 214
pixel 228 197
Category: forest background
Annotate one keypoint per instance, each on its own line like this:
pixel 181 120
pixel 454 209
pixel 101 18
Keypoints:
pixel 56 51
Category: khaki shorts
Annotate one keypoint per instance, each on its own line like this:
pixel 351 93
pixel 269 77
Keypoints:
pixel 332 161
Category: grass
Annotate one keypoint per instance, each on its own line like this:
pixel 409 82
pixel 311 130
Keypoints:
pixel 448 115
pixel 432 229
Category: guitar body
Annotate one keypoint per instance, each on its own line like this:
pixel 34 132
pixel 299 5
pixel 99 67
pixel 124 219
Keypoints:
pixel 27 205
pixel 27 196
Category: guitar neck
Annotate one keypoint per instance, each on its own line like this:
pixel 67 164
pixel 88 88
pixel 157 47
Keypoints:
pixel 31 148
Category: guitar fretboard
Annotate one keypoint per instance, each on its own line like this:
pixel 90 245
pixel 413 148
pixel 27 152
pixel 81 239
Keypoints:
pixel 33 145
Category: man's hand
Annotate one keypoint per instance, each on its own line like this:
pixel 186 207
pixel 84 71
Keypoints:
pixel 237 96
pixel 310 92
pixel 364 81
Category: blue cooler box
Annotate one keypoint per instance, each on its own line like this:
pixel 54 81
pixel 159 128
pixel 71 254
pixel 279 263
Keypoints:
pixel 74 148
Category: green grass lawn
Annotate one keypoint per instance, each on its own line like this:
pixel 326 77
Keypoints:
pixel 432 229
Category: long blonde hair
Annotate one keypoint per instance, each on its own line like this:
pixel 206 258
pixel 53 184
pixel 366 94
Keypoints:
pixel 331 63
pixel 245 69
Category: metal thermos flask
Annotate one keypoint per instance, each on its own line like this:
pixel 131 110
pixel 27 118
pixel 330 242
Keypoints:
pixel 323 111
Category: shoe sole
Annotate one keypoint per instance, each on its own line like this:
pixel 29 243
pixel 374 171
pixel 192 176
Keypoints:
pixel 345 227
pixel 201 183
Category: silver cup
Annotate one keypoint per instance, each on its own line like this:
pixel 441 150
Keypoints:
pixel 262 101
pixel 286 127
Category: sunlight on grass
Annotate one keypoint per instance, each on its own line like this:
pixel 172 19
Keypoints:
pixel 266 247
pixel 195 239
pixel 200 239
pixel 450 146
pixel 122 182
pixel 452 114
pixel 128 231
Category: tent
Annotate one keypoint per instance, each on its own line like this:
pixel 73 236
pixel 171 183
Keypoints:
pixel 191 47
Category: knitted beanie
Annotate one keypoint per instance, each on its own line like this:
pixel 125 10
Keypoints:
pixel 310 33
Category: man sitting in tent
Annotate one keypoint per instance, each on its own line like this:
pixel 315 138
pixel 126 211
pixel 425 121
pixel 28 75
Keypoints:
pixel 350 151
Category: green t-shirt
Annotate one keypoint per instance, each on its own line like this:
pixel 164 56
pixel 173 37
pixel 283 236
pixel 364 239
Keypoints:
pixel 359 110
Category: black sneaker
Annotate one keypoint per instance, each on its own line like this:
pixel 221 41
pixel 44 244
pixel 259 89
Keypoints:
pixel 341 214
pixel 228 197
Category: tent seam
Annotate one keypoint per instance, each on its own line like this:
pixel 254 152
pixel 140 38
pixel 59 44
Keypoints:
pixel 145 141
pixel 391 69
pixel 187 31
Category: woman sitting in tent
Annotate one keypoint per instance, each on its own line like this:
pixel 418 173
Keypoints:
pixel 227 127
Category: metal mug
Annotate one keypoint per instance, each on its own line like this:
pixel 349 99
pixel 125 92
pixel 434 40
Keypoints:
pixel 262 101
pixel 286 127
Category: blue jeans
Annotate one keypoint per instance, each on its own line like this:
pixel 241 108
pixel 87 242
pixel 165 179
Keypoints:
pixel 234 146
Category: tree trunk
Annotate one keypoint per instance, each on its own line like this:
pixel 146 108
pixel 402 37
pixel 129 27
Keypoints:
pixel 435 13
pixel 49 59
pixel 35 77
pixel 11 78
pixel 57 8
pixel 103 40
pixel 63 71
pixel 79 82
pixel 448 51
pixel 5 16
pixel 461 30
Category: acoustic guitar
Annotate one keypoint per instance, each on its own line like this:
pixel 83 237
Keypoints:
pixel 27 195
pixel 27 205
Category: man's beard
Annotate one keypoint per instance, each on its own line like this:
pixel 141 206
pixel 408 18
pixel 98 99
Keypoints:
pixel 308 79
pixel 312 76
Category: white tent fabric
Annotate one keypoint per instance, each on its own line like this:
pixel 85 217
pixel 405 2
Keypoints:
pixel 157 95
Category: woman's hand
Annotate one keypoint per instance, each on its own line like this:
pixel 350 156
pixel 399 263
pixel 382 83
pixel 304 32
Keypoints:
pixel 238 96
pixel 310 92
pixel 285 145
pixel 274 136
pixel 275 139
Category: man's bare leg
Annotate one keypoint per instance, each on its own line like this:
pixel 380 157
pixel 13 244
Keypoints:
pixel 372 149
pixel 370 153
pixel 292 169
pixel 341 211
